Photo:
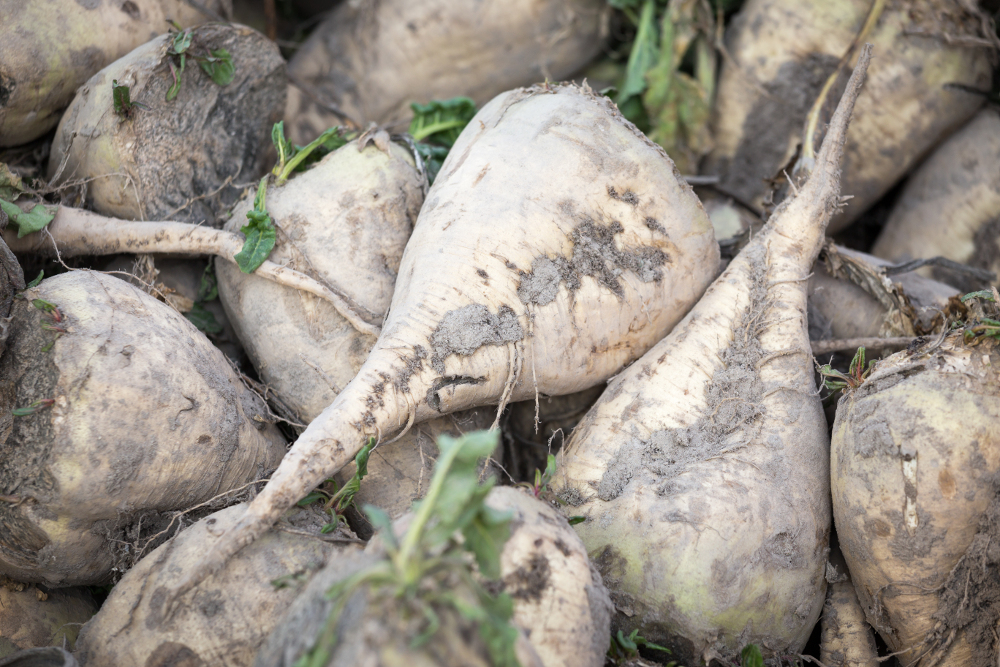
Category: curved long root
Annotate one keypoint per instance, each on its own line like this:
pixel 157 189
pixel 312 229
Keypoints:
pixel 77 232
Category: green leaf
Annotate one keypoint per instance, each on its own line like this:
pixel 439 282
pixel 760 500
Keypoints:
pixel 203 319
pixel 485 536
pixel 121 98
pixel 628 643
pixel 329 145
pixel 433 625
pixel 10 183
pixel 288 580
pixel 382 524
pixel 433 157
pixel 32 221
pixel 260 234
pixel 472 446
pixel 624 4
pixel 678 104
pixel 311 498
pixel 44 306
pixel 981 294
pixel 751 656
pixel 454 506
pixel 361 460
pixel 208 288
pixel 33 407
pixel 38 279
pixel 493 615
pixel 413 570
pixel 498 634
pixel 329 141
pixel 643 55
pixel 635 112
pixel 180 43
pixel 679 111
pixel 441 121
pixel 656 647
pixel 550 470
pixel 455 495
pixel 345 496
pixel 260 198
pixel 451 494
pixel 260 239
pixel 219 66
pixel 282 146
pixel 176 72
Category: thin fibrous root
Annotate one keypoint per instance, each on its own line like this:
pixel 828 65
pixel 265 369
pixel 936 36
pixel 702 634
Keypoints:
pixel 77 232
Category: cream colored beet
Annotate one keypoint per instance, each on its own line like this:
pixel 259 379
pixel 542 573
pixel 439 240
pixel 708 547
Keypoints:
pixel 782 52
pixel 174 159
pixel 147 417
pixel 847 639
pixel 950 206
pixel 225 620
pixel 831 298
pixel 373 629
pixel 840 309
pixel 559 598
pixel 720 417
pixel 560 605
pixel 49 48
pixel 344 222
pixel 373 59
pixel 914 458
pixel 482 313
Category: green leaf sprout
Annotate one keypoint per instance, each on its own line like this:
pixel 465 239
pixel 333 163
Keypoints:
pixel 293 158
pixel 217 64
pixel 260 234
pixel 436 126
pixel 121 97
pixel 751 656
pixel 29 222
pixel 431 550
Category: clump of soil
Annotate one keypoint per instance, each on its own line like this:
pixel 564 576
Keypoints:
pixel 970 602
pixel 595 254
pixel 466 329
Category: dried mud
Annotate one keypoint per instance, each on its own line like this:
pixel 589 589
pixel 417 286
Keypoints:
pixel 232 122
pixel 464 330
pixel 970 601
pixel 93 373
pixel 765 145
pixel 25 442
pixel 595 254
pixel 733 407
pixel 529 581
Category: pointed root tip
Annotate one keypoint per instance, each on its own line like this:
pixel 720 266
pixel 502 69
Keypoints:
pixel 833 142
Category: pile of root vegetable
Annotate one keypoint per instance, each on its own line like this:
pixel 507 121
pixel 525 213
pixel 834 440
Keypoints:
pixel 551 333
